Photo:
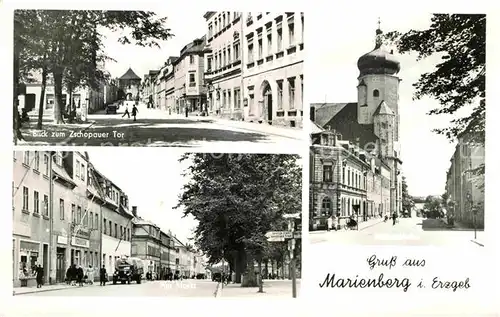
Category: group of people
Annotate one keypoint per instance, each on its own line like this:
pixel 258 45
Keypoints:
pixel 134 112
pixel 331 222
pixel 77 274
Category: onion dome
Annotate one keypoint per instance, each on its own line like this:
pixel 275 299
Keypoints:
pixel 378 61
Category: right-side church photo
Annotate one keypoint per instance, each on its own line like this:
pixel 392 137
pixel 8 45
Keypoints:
pixel 397 132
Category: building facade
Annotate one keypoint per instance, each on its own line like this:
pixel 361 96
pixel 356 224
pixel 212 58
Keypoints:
pixel 464 187
pixel 190 91
pixel 273 56
pixel 30 215
pixel 129 85
pixel 345 181
pixel 223 64
pixel 146 243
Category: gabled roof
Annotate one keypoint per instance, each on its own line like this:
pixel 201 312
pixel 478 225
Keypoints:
pixel 316 128
pixel 324 112
pixel 383 108
pixel 130 75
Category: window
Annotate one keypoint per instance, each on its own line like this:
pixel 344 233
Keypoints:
pixel 105 227
pixel 91 220
pixel 291 33
pixel 46 205
pixel 302 89
pixel 260 48
pixel 327 173
pixel 224 59
pixel 46 164
pixel 237 98
pixel 73 211
pixel 229 98
pixel 79 214
pixel 326 207
pixel 192 80
pixel 116 230
pixel 229 54
pixel 37 160
pixel 191 59
pixel 343 175
pixel 302 31
pixel 61 209
pixel 96 221
pixel 36 202
pixel 25 198
pixel 223 99
pixel 280 94
pixel 348 178
pixel 110 228
pixel 376 93
pixel 58 159
pixel 269 41
pixel 209 63
pixel 291 92
pixel 26 158
pixel 280 39
pixel 82 172
pixel 250 53
pixel 77 170
pixel 128 234
pixel 236 50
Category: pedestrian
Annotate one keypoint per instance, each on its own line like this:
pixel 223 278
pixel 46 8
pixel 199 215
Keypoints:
pixel 39 276
pixel 394 217
pixel 329 223
pixel 74 272
pixel 90 275
pixel 103 276
pixel 79 275
pixel 134 112
pixel 126 112
pixel 68 275
pixel 186 108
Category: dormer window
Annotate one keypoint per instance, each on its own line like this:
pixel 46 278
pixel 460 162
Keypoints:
pixel 376 93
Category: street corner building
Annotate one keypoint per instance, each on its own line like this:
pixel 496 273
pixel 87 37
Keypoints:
pixel 254 66
pixel 355 147
pixel 66 212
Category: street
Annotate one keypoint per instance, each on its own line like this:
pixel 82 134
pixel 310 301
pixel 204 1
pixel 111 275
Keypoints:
pixel 185 288
pixel 414 231
pixel 155 127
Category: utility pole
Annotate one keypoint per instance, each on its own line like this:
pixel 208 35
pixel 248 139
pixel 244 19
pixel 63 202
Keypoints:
pixel 51 215
pixel 291 247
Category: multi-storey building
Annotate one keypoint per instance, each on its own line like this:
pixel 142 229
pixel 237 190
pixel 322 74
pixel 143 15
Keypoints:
pixel 223 64
pixel 146 243
pixel 116 226
pixel 30 218
pixel 167 260
pixel 273 56
pixel 129 85
pixel 465 187
pixel 189 84
pixel 345 181
pixel 170 87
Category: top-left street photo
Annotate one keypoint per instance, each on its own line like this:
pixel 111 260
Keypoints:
pixel 136 78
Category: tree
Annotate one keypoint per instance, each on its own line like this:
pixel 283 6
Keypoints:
pixel 71 30
pixel 433 206
pixel 236 201
pixel 408 202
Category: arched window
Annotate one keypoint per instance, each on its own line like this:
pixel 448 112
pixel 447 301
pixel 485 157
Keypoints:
pixel 326 207
pixel 376 93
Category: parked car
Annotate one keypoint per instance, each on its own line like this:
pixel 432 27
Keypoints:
pixel 112 108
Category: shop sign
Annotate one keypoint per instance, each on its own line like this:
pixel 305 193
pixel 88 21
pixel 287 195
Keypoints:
pixel 62 240
pixel 29 246
pixel 79 242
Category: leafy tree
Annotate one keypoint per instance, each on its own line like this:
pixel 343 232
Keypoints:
pixel 236 201
pixel 72 30
pixel 408 202
pixel 433 206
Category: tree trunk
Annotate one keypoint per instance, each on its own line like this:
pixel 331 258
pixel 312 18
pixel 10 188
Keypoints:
pixel 267 267
pixel 239 266
pixel 249 278
pixel 261 282
pixel 17 135
pixel 58 104
pixel 42 99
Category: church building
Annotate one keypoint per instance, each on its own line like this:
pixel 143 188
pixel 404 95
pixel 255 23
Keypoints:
pixel 369 129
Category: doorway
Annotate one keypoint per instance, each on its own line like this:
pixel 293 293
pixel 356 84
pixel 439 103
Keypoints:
pixel 269 107
pixel 60 267
pixel 45 261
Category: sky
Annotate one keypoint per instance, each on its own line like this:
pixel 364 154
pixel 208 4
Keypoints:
pixel 186 27
pixel 333 76
pixel 152 180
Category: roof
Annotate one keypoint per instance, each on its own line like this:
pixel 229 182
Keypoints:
pixel 382 109
pixel 196 46
pixel 316 128
pixel 130 75
pixel 324 112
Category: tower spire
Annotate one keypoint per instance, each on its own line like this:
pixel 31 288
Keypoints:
pixel 378 35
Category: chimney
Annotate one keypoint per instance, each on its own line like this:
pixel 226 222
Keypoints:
pixel 134 211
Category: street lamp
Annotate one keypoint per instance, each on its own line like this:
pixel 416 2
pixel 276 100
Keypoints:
pixel 291 246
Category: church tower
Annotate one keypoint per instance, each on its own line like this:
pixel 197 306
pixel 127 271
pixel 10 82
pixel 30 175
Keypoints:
pixel 383 127
pixel 377 84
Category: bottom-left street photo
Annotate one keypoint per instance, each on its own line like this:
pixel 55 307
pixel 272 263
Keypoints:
pixel 108 222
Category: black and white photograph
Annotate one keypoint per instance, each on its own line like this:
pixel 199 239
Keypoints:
pixel 168 224
pixel 398 134
pixel 162 79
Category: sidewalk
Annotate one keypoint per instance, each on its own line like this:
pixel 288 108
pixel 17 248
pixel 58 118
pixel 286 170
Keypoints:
pixel 479 233
pixel 361 226
pixel 271 288
pixel 46 288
